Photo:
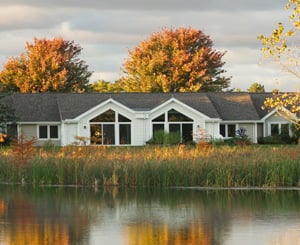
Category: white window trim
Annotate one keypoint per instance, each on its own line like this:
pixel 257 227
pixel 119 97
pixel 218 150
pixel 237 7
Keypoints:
pixel 226 129
pixel 116 124
pixel 279 126
pixel 167 123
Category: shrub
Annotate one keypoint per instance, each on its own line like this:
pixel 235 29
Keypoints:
pixel 237 141
pixel 23 149
pixel 295 133
pixel 276 139
pixel 163 138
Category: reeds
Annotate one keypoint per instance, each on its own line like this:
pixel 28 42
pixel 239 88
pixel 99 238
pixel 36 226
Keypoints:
pixel 157 166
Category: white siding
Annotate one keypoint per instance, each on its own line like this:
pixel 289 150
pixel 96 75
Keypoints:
pixel 213 129
pixel 29 131
pixel 249 130
pixel 70 131
pixel 139 132
pixel 141 122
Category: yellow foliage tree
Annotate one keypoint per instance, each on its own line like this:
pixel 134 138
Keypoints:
pixel 281 47
pixel 102 86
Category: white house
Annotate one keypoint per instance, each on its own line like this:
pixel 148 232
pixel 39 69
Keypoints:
pixel 131 118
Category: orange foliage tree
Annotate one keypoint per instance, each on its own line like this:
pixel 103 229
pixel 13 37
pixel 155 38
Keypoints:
pixel 46 66
pixel 174 60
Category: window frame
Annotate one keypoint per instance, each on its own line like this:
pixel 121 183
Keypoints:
pixel 226 129
pixel 48 132
pixel 119 120
pixel 167 124
pixel 279 125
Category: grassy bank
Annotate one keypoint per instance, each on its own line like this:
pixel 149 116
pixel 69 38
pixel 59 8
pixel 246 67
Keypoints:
pixel 156 166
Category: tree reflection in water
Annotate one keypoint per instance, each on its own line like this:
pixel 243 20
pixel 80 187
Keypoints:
pixel 41 217
pixel 68 216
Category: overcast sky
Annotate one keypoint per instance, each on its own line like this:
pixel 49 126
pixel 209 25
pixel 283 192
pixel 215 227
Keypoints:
pixel 107 29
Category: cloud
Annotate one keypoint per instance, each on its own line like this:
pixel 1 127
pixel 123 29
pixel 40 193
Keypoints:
pixel 18 17
pixel 154 5
pixel 107 29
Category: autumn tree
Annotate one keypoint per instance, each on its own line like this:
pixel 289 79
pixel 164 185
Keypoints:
pixel 256 88
pixel 174 60
pixel 102 86
pixel 282 46
pixel 46 66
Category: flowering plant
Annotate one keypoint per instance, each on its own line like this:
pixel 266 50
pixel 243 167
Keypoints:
pixel 241 133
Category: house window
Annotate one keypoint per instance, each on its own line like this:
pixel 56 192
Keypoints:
pixel 48 132
pixel 175 116
pixel 274 129
pixel 158 124
pixel 284 129
pixel 160 118
pixel 53 132
pixel 174 121
pixel 231 130
pixel 110 128
pixel 222 130
pixel 279 128
pixel 187 132
pixel 228 130
pixel 125 134
pixel 43 132
pixel 157 127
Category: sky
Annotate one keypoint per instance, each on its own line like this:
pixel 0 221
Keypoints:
pixel 107 29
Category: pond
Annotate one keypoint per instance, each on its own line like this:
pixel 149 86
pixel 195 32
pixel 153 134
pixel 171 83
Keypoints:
pixel 57 215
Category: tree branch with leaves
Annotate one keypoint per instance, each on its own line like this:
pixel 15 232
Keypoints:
pixel 282 47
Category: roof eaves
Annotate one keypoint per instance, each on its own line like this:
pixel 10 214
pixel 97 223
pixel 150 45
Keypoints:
pixel 102 104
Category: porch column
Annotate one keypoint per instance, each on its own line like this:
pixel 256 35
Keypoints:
pixel 255 133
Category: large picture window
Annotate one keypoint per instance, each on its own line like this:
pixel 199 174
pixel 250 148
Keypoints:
pixel 110 128
pixel 174 122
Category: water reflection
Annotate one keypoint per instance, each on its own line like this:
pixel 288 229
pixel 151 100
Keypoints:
pixel 170 216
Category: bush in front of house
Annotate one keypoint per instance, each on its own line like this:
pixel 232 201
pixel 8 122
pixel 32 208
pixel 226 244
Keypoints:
pixel 161 137
pixel 237 141
pixel 276 139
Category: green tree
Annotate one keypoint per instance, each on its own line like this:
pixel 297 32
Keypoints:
pixel 282 46
pixel 102 86
pixel 174 60
pixel 7 117
pixel 46 66
pixel 256 88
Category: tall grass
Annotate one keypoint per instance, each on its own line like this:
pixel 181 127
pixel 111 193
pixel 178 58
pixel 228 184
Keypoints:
pixel 156 166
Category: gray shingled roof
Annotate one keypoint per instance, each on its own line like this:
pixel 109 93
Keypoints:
pixel 35 107
pixel 258 100
pixel 54 107
pixel 234 106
